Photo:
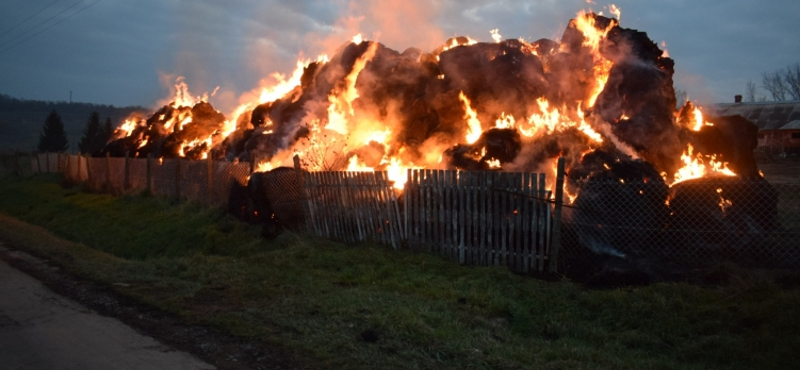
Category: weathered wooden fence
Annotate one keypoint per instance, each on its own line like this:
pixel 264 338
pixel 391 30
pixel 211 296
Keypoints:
pixel 481 218
pixel 474 217
pixel 204 181
pixel 353 206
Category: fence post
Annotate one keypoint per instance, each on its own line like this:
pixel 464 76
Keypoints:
pixel 177 178
pixel 108 170
pixel 78 159
pixel 126 182
pixel 68 168
pixel 88 171
pixel 149 174
pixel 58 162
pixel 47 161
pixel 301 183
pixel 210 180
pixel 556 246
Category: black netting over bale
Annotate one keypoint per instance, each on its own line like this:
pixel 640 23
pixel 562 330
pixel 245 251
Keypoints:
pixel 723 217
pixel 276 197
pixel 620 211
pixel 625 216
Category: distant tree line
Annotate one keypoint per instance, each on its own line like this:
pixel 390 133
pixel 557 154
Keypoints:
pixel 21 124
pixel 11 104
pixel 782 84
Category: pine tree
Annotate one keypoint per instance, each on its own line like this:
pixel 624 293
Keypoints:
pixel 92 140
pixel 108 131
pixel 53 137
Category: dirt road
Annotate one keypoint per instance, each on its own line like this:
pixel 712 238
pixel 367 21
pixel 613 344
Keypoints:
pixel 42 330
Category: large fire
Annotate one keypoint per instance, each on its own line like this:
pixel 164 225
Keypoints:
pixel 504 105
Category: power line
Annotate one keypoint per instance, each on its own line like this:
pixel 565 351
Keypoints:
pixel 51 26
pixel 27 19
pixel 41 23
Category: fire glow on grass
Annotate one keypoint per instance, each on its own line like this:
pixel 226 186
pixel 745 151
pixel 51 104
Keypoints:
pixel 348 121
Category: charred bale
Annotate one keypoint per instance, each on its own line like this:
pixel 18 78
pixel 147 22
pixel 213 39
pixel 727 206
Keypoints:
pixel 464 157
pixel 278 190
pixel 501 144
pixel 639 98
pixel 731 139
pixel 240 204
pixel 263 209
pixel 496 77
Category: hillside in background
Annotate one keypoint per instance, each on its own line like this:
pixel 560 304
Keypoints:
pixel 21 120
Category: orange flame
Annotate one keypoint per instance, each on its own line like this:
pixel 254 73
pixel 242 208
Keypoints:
pixel 585 23
pixel 698 166
pixel 474 129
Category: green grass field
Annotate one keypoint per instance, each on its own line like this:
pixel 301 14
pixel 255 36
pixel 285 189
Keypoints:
pixel 316 297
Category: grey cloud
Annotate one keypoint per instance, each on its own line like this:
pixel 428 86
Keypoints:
pixel 114 51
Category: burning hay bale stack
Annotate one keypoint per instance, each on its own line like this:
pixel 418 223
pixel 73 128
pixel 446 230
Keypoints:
pixel 602 97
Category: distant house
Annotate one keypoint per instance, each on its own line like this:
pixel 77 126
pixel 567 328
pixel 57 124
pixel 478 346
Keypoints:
pixel 778 123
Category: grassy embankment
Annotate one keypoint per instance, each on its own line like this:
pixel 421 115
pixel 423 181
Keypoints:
pixel 317 297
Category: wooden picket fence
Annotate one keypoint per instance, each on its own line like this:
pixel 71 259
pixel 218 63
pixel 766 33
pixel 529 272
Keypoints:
pixel 353 207
pixel 481 218
pixel 484 218
pixel 474 217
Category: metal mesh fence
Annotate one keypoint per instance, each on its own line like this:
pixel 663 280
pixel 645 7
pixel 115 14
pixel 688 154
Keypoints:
pixel 163 177
pixel 224 175
pixel 281 197
pixel 692 224
pixel 116 175
pixel 98 174
pixel 137 175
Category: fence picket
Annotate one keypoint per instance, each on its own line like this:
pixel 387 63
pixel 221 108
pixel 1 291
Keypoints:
pixel 447 209
pixel 542 214
pixel 504 217
pixel 459 223
pixel 524 219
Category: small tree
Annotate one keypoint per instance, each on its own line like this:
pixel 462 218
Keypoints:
pixel 773 82
pixel 92 140
pixel 53 137
pixel 791 78
pixel 750 92
pixel 108 131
